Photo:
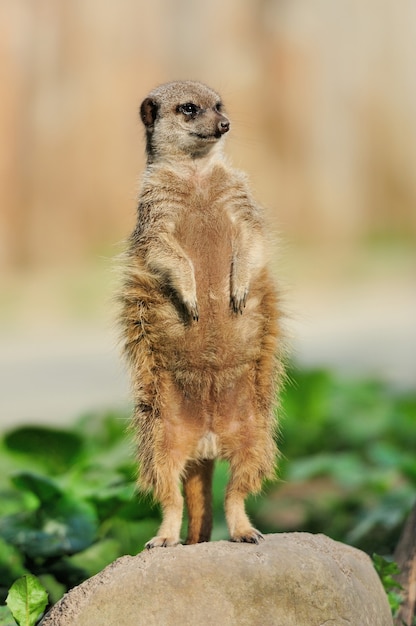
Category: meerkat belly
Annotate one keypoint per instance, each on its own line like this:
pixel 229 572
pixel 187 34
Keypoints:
pixel 221 340
pixel 206 239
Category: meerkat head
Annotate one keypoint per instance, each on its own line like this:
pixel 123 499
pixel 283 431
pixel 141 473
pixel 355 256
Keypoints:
pixel 182 118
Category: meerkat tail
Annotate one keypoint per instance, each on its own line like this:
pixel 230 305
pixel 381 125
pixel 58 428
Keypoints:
pixel 197 486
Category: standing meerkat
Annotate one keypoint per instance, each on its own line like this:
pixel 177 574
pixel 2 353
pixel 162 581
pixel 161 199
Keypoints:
pixel 200 320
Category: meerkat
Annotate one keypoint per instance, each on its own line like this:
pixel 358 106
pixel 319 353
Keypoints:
pixel 200 320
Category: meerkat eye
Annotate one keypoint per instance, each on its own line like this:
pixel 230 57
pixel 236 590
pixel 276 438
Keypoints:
pixel 188 109
pixel 218 107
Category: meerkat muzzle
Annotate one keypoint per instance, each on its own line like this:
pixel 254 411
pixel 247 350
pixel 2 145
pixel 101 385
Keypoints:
pixel 223 126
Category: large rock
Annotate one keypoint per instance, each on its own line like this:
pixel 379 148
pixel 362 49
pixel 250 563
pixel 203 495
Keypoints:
pixel 292 579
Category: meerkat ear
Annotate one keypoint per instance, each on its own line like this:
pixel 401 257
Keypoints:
pixel 148 112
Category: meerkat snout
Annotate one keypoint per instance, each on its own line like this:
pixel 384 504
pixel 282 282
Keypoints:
pixel 223 126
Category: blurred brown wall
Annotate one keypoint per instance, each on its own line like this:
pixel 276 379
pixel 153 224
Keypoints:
pixel 322 96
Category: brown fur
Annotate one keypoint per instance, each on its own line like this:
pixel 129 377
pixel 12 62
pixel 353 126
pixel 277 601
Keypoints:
pixel 200 320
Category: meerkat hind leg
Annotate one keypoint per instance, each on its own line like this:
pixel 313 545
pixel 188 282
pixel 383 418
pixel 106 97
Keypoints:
pixel 245 478
pixel 172 509
pixel 197 486
pixel 239 525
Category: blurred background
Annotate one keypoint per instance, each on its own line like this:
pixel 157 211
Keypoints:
pixel 322 101
pixel 322 98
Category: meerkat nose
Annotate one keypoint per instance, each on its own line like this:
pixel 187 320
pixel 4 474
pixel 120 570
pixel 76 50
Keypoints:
pixel 224 126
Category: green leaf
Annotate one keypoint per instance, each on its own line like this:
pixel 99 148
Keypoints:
pixel 45 489
pixel 60 527
pixel 386 570
pixel 55 449
pixel 62 524
pixel 27 600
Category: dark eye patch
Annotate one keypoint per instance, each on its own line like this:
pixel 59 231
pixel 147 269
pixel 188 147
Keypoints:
pixel 189 108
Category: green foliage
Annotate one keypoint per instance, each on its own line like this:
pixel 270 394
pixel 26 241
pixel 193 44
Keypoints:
pixel 386 570
pixel 348 467
pixel 76 509
pixel 54 449
pixel 27 600
pixel 68 505
pixel 61 524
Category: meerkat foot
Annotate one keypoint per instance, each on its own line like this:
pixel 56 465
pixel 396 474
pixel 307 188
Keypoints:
pixel 239 525
pixel 251 535
pixel 162 542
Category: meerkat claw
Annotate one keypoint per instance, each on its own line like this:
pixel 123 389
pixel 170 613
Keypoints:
pixel 238 301
pixel 161 542
pixel 251 536
pixel 192 309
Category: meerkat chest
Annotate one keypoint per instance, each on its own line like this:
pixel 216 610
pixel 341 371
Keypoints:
pixel 204 228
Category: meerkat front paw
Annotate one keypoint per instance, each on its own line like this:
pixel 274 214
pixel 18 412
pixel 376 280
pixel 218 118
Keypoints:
pixel 191 306
pixel 162 542
pixel 238 299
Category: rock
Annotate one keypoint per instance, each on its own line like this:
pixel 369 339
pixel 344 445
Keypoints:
pixel 294 579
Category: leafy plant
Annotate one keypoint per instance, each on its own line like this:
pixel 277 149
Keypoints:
pixel 76 509
pixel 386 570
pixel 348 464
pixel 26 600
